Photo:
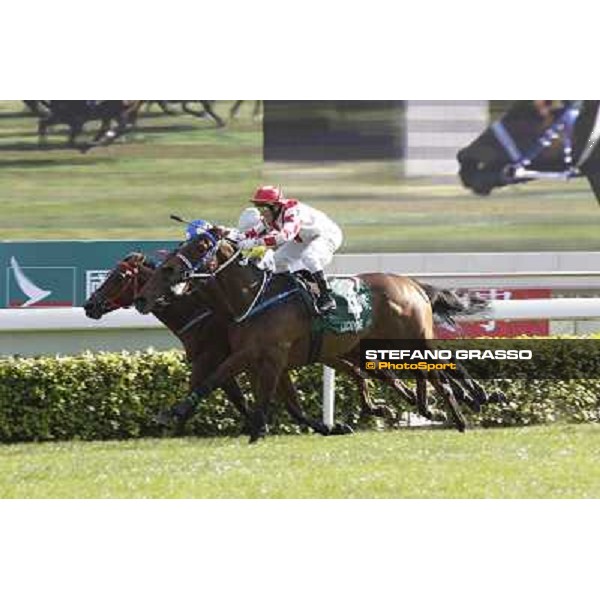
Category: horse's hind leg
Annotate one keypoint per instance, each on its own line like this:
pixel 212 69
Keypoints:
pixel 421 396
pixel 476 395
pixel 286 392
pixel 446 393
pixel 207 106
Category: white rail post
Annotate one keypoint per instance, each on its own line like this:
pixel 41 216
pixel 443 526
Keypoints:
pixel 328 396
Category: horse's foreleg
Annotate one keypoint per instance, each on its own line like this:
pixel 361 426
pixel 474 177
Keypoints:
pixel 233 112
pixel 110 134
pixel 269 375
pixel 236 396
pixel 75 129
pixel 230 367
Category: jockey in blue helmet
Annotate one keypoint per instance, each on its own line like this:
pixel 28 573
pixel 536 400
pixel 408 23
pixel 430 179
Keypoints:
pixel 199 227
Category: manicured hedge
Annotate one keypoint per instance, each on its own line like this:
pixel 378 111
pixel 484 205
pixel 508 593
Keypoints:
pixel 116 396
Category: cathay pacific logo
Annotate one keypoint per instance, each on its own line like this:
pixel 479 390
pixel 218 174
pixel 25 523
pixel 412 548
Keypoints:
pixel 37 286
pixel 34 293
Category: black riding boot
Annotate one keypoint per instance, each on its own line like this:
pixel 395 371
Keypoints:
pixel 325 301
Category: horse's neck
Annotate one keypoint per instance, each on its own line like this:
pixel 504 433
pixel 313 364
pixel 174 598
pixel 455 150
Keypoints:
pixel 238 287
pixel 177 315
pixel 181 315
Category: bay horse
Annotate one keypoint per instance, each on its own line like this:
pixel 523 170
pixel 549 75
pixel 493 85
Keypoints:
pixel 558 141
pixel 280 338
pixel 203 335
pixel 75 113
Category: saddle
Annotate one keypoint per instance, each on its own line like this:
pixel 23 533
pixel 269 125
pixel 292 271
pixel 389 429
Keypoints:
pixel 353 311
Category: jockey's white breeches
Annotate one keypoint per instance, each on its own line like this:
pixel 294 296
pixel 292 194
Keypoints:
pixel 313 255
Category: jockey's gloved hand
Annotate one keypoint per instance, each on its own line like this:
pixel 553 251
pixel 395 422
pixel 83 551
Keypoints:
pixel 255 253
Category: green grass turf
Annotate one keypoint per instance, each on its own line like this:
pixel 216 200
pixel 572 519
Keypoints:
pixel 557 461
pixel 185 165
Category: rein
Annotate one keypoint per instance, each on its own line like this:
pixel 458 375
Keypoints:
pixel 266 278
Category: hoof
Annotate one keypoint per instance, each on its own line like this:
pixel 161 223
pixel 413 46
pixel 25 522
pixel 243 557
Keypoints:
pixel 461 427
pixel 341 429
pixel 255 437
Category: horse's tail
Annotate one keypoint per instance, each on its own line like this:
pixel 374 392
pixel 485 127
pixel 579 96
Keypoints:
pixel 447 304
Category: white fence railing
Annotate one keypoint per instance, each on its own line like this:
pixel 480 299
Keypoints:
pixel 74 319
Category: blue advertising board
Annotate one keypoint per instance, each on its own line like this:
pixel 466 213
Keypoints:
pixel 43 274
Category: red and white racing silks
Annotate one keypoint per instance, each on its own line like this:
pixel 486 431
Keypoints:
pixel 303 237
pixel 298 222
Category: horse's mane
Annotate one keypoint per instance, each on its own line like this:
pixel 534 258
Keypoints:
pixel 141 258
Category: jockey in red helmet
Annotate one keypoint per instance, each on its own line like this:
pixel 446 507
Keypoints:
pixel 302 237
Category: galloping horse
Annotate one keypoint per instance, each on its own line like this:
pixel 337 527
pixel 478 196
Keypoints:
pixel 527 144
pixel 204 338
pixel 75 113
pixel 200 330
pixel 280 338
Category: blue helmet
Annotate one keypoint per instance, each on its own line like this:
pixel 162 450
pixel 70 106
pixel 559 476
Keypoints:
pixel 199 227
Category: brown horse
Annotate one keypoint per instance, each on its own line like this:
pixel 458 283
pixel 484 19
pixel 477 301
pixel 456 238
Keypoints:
pixel 76 113
pixel 204 338
pixel 280 338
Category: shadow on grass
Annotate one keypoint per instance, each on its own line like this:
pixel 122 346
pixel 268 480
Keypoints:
pixel 56 162
pixel 176 128
pixel 33 146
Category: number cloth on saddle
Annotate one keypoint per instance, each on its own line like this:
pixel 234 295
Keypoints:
pixel 354 310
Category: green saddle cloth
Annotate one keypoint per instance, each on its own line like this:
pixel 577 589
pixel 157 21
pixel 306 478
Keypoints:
pixel 354 306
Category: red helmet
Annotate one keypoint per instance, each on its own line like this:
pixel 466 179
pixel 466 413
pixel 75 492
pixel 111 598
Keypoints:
pixel 268 194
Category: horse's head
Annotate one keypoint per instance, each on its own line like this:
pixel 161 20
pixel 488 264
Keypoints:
pixel 202 254
pixel 488 162
pixel 120 287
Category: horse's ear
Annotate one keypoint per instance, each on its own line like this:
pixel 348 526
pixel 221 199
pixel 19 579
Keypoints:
pixel 219 232
pixel 136 257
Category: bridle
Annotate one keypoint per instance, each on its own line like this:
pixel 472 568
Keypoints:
pixel 130 274
pixel 519 167
pixel 209 272
pixel 192 268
